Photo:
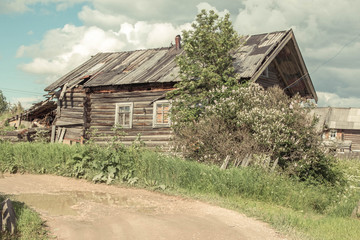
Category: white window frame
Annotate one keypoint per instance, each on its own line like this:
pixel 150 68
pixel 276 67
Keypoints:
pixel 333 131
pixel 155 124
pixel 127 104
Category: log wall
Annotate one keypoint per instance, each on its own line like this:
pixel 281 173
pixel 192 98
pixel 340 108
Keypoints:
pixel 272 79
pixel 354 136
pixel 71 115
pixel 101 116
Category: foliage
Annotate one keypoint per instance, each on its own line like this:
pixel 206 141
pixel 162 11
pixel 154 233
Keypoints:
pixel 278 199
pixel 136 165
pixel 4 105
pixel 29 225
pixel 206 64
pixel 251 120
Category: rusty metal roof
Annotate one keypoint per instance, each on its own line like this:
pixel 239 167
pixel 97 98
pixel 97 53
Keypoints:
pixel 159 65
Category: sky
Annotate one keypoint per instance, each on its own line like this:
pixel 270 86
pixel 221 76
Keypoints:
pixel 41 40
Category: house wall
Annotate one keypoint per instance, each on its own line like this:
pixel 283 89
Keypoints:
pixel 272 79
pixel 71 115
pixel 354 136
pixel 102 108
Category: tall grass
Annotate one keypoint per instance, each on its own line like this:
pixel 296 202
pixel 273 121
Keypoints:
pixel 285 202
pixel 152 168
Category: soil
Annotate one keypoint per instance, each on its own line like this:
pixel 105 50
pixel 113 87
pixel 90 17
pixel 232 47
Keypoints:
pixel 77 209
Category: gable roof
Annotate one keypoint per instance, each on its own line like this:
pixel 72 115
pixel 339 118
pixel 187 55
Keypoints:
pixel 338 118
pixel 159 65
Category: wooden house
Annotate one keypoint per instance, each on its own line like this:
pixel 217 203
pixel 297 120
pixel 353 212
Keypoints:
pixel 340 127
pixel 128 88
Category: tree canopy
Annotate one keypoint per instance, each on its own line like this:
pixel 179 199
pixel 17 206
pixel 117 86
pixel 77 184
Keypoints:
pixel 4 105
pixel 206 64
pixel 217 118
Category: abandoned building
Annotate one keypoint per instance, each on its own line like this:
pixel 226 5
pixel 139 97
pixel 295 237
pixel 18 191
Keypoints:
pixel 128 88
pixel 340 127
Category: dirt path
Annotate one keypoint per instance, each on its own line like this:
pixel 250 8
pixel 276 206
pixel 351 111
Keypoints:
pixel 76 209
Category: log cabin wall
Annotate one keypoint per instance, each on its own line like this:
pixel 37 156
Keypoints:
pixel 71 116
pixel 354 137
pixel 102 110
pixel 270 77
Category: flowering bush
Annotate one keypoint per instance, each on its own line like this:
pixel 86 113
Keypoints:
pixel 250 120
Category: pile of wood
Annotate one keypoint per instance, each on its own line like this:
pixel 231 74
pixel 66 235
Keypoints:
pixel 26 135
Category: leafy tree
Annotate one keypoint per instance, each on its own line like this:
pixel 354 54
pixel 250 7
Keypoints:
pixel 216 118
pixel 4 105
pixel 206 64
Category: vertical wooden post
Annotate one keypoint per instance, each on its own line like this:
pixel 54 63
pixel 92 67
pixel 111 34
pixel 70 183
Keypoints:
pixel 19 120
pixel 53 130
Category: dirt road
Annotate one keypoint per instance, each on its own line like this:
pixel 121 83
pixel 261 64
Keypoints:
pixel 76 209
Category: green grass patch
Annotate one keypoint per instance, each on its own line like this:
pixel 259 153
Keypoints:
pixel 299 209
pixel 29 225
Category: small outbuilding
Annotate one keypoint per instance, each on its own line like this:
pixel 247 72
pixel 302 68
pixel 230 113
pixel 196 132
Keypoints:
pixel 340 127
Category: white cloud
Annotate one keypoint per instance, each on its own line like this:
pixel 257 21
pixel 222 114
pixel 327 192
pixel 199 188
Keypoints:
pixel 333 100
pixel 26 102
pixel 63 49
pixel 327 33
pixel 321 27
pixel 94 17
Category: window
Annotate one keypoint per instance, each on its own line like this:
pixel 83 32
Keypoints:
pixel 123 114
pixel 161 112
pixel 333 134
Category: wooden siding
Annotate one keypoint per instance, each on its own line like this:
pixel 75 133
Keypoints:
pixel 71 115
pixel 354 136
pixel 102 117
pixel 272 79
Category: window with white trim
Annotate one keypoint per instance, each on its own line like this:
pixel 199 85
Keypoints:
pixel 161 111
pixel 123 115
pixel 333 134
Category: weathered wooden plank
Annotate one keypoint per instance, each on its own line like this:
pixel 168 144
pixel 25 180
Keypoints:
pixel 68 105
pixel 128 94
pixel 68 123
pixel 71 115
pixel 53 130
pixel 62 134
pixel 75 94
pixel 122 100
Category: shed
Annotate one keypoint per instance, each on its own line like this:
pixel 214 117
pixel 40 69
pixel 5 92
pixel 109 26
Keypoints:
pixel 128 88
pixel 340 125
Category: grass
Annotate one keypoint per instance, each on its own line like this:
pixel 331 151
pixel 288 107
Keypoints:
pixel 29 223
pixel 298 209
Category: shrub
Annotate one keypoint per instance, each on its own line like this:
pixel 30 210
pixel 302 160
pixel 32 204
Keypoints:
pixel 276 130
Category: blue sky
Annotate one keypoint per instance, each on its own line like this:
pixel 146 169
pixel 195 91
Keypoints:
pixel 41 40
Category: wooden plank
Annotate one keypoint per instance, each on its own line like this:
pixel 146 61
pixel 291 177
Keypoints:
pixel 63 91
pixel 122 100
pixel 72 116
pixel 58 134
pixel 53 129
pixel 61 138
pixel 68 123
pixel 19 121
pixel 127 94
